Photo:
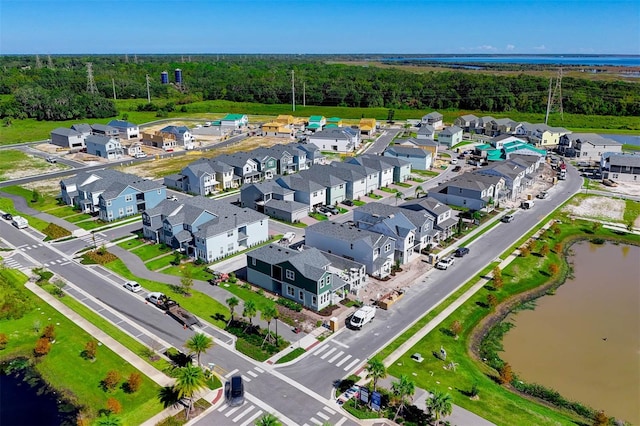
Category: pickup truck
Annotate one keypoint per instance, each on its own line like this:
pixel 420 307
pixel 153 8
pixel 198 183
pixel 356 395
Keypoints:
pixel 362 316
pixel 174 309
pixel 445 263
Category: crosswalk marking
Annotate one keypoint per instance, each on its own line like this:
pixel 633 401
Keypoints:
pixel 231 373
pixel 343 360
pixel 245 378
pixel 328 353
pixel 222 408
pixel 350 366
pixel 322 415
pixel 336 356
pixel 315 421
pixel 252 374
pixel 258 369
pixel 233 410
pixel 328 410
pixel 320 349
pixel 244 413
pixel 252 418
pixel 341 344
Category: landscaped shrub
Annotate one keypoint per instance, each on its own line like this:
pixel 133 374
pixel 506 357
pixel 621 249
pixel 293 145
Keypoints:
pixel 111 380
pixel 290 304
pixel 54 231
pixel 100 256
pixel 133 382
pixel 43 346
pixel 3 341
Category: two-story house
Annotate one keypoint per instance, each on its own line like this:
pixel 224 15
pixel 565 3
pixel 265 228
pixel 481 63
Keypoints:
pixel 104 146
pixel 376 162
pixel 588 146
pixel 371 174
pixel 419 159
pixel 620 167
pixel 126 129
pixel 372 249
pixel 316 123
pixel 450 136
pixel 335 188
pixel 442 214
pixel 513 174
pixel 433 119
pixel 105 130
pixel 466 122
pixel 425 144
pixel 234 121
pixel 181 134
pixel 338 139
pixel 469 190
pixel 243 166
pixel 426 131
pixel 368 126
pixel 67 138
pixel 273 200
pixel 308 192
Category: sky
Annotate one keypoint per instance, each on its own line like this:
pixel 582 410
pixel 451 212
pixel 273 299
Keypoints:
pixel 315 27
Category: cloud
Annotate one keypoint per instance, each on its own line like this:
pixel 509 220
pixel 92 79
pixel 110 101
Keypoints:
pixel 510 47
pixel 541 47
pixel 486 47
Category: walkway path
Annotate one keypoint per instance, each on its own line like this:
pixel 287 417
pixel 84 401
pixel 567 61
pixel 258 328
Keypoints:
pixel 21 205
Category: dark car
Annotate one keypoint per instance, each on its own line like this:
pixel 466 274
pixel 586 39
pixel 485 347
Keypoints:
pixel 457 168
pixel 334 210
pixel 461 251
pixel 234 391
pixel 348 203
pixel 7 216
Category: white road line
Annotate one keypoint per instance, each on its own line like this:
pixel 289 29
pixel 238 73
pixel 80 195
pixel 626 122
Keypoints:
pixel 340 344
pixel 252 374
pixel 315 421
pixel 252 418
pixel 328 410
pixel 233 410
pixel 320 349
pixel 245 378
pixel 350 366
pixel 342 420
pixel 231 373
pixel 244 413
pixel 258 369
pixel 336 356
pixel 222 408
pixel 328 353
pixel 343 360
pixel 322 415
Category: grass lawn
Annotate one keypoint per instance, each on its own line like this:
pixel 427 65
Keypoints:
pixel 6 204
pixel 629 147
pixel 291 355
pixel 199 304
pixel 61 366
pixel 461 144
pixel 358 203
pixel 389 190
pixel 248 294
pixel 149 251
pixel 403 185
pixel 130 244
pixel 427 173
pixel 197 272
pixel 318 216
pixel 161 262
pixel 374 196
pixel 631 211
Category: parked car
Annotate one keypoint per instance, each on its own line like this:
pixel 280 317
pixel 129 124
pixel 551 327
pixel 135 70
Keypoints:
pixel 133 286
pixel 7 216
pixel 234 391
pixel 543 195
pixel 347 203
pixel 334 210
pixel 172 198
pixel 52 160
pixel 461 251
pixel 445 263
pixel 362 316
pixel 507 218
pixel 457 168
pixel 19 222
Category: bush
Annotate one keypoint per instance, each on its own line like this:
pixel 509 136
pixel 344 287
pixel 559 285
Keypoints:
pixel 114 406
pixel 49 332
pixel 290 304
pixel 43 346
pixel 111 380
pixel 90 349
pixel 3 341
pixel 54 231
pixel 134 382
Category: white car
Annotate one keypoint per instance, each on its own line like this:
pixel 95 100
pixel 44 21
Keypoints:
pixel 445 263
pixel 132 286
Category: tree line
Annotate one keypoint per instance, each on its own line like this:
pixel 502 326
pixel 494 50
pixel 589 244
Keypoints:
pixel 37 91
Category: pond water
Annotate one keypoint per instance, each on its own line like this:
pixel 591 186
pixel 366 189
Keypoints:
pixel 584 341
pixel 22 404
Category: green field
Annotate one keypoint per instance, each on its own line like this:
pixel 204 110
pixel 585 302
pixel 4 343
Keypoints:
pixel 150 251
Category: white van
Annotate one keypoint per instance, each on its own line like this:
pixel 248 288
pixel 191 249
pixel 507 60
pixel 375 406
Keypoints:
pixel 19 222
pixel 362 316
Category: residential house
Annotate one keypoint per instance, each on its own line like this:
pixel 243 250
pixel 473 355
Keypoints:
pixel 110 193
pixel 340 139
pixel 368 126
pixel 334 187
pixel 444 220
pixel 234 121
pixel 426 131
pixel 67 138
pixel 105 130
pixel 165 141
pixel 531 163
pixel 267 164
pixel 334 122
pixel 182 135
pixel 273 200
pixel 376 162
pixel 84 129
pixel 513 174
pixel 103 146
pixel 126 129
pixel 426 144
pixel 547 136
pixel 433 119
pixel 401 169
pixel 277 130
pixel 372 249
pixel 418 158
pixel 316 123
pixel 355 180
pixel 287 120
pixel 135 150
pixel 469 190
pixel 587 146
pixel 372 175
pixel 466 122
pixel 504 125
pixel 197 178
pixel 245 168
pixel 308 192
pixel 620 167
pixel 306 277
pixel 313 154
pixel 450 136
pixel 285 161
pixel 204 228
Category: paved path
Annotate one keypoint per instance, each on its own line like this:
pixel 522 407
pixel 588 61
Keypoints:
pixel 21 205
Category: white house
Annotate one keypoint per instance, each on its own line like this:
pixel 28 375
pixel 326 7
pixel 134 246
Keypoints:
pixel 126 129
pixel 450 136
pixel 338 139
pixel 433 119
pixel 181 134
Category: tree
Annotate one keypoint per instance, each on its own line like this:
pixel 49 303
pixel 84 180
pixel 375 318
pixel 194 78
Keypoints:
pixel 630 226
pixel 544 250
pixel 250 311
pixel 390 115
pixel 43 346
pixel 198 344
pixel 232 302
pixel 554 268
pixel 440 404
pixel 492 301
pixel 35 196
pixel 90 349
pixel 49 332
pixel 189 380
pixel 111 380
pixel 525 251
pixel 125 117
pixel 398 197
pixel 419 190
pixel 497 272
pixel 268 314
pixel 506 373
pixel 268 420
pixel 557 248
pixel 403 389
pixel 186 281
pixel 134 382
pixel 456 328
pixel 376 370
pixel 3 340
pixel 114 406
pixel 556 229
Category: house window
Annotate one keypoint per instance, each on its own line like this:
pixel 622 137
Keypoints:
pixel 387 248
pixel 321 282
pixel 301 295
pixel 291 291
pixel 314 300
pixel 230 247
pixel 221 250
pixel 129 209
pixel 229 233
pixel 159 191
pixel 290 275
pixel 253 261
pixel 128 197
pixel 120 212
pixel 109 203
pixel 329 280
pixel 110 214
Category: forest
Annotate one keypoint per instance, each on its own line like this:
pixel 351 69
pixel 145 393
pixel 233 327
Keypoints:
pixel 55 88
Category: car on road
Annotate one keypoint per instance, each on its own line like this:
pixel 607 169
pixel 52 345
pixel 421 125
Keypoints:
pixel 461 251
pixel 445 263
pixel 457 168
pixel 7 216
pixel 234 391
pixel 543 195
pixel 507 218
pixel 172 198
pixel 133 286
pixel 51 160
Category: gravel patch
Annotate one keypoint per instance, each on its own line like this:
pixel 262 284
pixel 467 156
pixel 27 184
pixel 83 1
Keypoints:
pixel 598 208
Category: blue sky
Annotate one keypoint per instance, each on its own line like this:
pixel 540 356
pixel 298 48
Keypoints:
pixel 311 26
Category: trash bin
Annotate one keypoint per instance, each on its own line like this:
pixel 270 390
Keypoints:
pixel 333 324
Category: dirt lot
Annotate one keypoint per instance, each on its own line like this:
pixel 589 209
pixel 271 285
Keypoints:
pixel 598 208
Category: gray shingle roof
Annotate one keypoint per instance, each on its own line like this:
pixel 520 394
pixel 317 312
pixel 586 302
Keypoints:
pixel 617 159
pixel 344 232
pixel 428 204
pixel 407 151
pixel 322 175
pixel 63 131
pixel 299 183
pixel 82 128
pixel 472 181
pixel 103 128
pixel 415 141
pixel 311 262
pixel 449 131
pixel 286 206
pixel 98 140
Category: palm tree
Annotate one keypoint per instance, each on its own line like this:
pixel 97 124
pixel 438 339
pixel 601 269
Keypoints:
pixel 198 344
pixel 232 302
pixel 419 190
pixel 403 389
pixel 250 311
pixel 440 404
pixel 376 370
pixel 268 420
pixel 398 197
pixel 189 380
pixel 268 314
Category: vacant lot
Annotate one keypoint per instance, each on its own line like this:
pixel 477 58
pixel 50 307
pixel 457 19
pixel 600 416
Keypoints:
pixel 604 208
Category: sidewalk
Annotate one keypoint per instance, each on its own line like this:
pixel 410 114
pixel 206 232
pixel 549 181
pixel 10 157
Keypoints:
pixel 21 205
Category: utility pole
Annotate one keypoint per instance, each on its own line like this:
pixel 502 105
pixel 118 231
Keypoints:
pixel 555 97
pixel 304 93
pixel 91 83
pixel 293 90
pixel 148 92
pixel 113 83
pixel 546 117
pixel 49 62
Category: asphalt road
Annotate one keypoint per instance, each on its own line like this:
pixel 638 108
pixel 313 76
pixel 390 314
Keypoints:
pixel 382 142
